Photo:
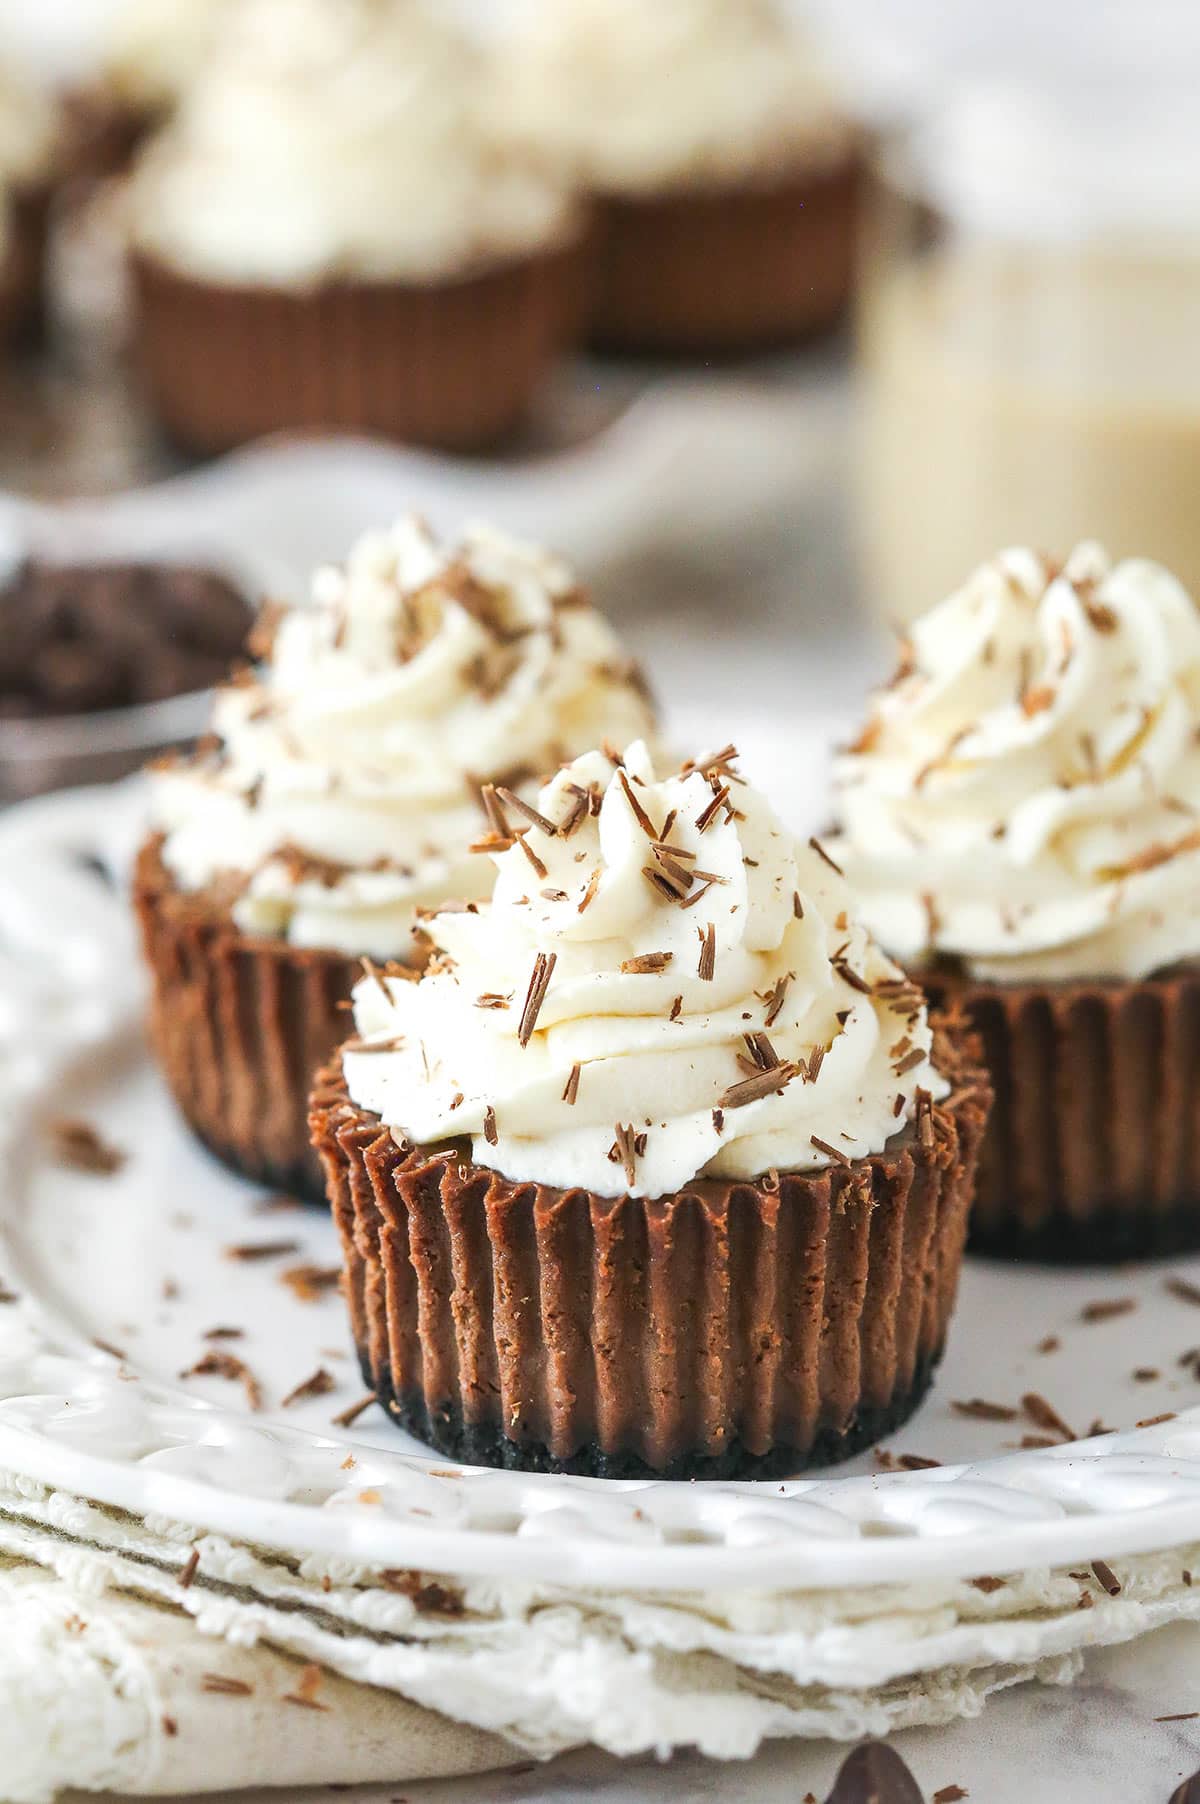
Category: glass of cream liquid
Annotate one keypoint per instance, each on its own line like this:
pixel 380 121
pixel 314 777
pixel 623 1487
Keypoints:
pixel 1030 338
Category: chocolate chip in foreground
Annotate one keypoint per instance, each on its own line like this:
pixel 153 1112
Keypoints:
pixel 873 1773
pixel 1188 1792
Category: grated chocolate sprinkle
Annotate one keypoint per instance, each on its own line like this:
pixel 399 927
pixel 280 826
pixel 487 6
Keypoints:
pixel 707 966
pixel 317 1385
pixel 539 983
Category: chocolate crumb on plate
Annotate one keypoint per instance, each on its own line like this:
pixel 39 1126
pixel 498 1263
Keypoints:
pixel 1049 1344
pixel 221 1332
pixel 310 1282
pixel 1044 1415
pixel 1106 1308
pixel 1184 1289
pixel 227 1687
pixel 1178 1716
pixel 873 1773
pixel 318 1385
pixel 980 1410
pixel 949 1794
pixel 81 1147
pixel 214 1364
pixel 346 1418
pixel 249 1250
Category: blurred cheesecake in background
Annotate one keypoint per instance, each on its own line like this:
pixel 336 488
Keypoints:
pixel 331 233
pixel 723 172
pixel 31 144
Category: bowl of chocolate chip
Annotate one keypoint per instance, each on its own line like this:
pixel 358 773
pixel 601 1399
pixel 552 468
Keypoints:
pixel 103 663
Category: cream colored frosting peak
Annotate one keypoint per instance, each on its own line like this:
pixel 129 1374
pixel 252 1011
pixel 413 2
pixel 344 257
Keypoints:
pixel 1026 795
pixel 665 984
pixel 345 140
pixel 636 96
pixel 345 792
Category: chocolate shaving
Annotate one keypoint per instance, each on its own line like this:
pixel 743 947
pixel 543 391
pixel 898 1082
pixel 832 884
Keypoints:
pixel 492 999
pixel 761 1051
pixel 639 813
pixel 589 893
pixel 821 853
pixel 250 1250
pixel 308 1283
pixel 571 1088
pixel 490 1133
pixel 540 868
pixel 1044 1415
pixel 676 1009
pixel 539 983
pixel 646 962
pixel 753 1089
pixel 623 1151
pixel 797 905
pixel 774 998
pixel 81 1147
pixel 697 895
pixel 831 1152
pixel 512 800
pixel 673 887
pixel 317 1385
pixel 225 1686
pixel 987 1584
pixel 707 966
pixel 1106 1577
pixel 214 1364
pixel 346 1418
pixel 949 1794
pixel 711 809
pixel 909 1062
pixel 980 1410
pixel 1183 1288
pixel 190 1569
pixel 1106 1308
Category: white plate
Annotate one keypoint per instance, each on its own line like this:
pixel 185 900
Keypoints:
pixel 101 1258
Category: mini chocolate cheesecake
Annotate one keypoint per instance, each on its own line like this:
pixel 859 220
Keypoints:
pixel 590 1219
pixel 346 780
pixel 1021 820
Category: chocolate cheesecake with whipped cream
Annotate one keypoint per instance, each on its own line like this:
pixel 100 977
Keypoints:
pixel 340 794
pixel 658 1166
pixel 1021 822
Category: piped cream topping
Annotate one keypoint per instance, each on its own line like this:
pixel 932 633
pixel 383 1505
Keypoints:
pixel 665 984
pixel 636 97
pixel 1025 797
pixel 342 141
pixel 344 787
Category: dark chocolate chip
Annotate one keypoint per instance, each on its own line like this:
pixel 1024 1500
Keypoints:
pixel 873 1773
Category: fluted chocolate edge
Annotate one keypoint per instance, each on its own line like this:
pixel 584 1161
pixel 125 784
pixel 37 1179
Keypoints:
pixel 239 1025
pixel 735 1329
pixel 1093 1149
pixel 725 271
pixel 450 364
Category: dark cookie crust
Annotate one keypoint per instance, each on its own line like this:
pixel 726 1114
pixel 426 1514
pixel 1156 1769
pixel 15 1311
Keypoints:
pixel 474 1445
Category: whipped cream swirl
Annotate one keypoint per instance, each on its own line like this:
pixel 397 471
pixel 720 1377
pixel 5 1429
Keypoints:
pixel 341 141
pixel 1026 795
pixel 665 984
pixel 344 791
pixel 636 97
